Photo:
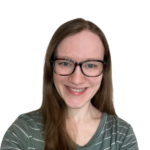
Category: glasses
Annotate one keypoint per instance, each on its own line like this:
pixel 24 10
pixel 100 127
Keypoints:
pixel 66 67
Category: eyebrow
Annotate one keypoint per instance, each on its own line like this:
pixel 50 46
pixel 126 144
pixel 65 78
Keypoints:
pixel 66 57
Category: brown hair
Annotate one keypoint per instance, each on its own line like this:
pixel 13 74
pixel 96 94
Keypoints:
pixel 53 107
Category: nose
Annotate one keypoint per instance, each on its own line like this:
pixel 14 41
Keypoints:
pixel 77 77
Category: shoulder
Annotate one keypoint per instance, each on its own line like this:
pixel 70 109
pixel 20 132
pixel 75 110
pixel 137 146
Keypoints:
pixel 26 131
pixel 25 120
pixel 35 116
pixel 26 117
pixel 119 131
pixel 116 121
pixel 116 125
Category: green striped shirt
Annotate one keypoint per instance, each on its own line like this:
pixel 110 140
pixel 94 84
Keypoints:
pixel 26 133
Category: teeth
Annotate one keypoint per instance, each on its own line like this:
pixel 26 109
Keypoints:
pixel 76 90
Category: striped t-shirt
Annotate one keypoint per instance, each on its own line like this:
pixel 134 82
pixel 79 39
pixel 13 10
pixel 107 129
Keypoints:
pixel 26 133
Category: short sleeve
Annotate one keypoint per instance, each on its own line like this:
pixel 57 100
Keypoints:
pixel 16 137
pixel 130 141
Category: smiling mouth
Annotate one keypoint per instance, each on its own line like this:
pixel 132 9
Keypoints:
pixel 76 91
pixel 77 88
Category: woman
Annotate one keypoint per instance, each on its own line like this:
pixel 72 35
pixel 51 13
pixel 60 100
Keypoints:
pixel 77 110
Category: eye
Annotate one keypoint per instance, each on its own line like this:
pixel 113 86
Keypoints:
pixel 65 63
pixel 91 66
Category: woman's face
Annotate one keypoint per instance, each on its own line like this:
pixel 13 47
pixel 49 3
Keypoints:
pixel 79 47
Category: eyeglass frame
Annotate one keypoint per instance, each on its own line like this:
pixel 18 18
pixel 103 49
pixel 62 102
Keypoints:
pixel 76 64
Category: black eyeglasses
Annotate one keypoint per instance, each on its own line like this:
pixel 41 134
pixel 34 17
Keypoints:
pixel 66 67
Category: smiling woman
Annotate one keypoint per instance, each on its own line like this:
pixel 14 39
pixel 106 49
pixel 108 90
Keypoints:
pixel 77 110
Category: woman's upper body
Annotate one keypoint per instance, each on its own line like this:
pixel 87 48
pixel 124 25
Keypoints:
pixel 77 107
pixel 112 133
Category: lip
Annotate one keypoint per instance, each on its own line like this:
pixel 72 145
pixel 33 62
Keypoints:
pixel 76 88
pixel 76 93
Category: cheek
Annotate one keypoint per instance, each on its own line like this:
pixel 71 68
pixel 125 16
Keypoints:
pixel 58 81
pixel 96 82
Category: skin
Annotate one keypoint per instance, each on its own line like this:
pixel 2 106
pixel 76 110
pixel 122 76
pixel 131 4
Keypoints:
pixel 80 47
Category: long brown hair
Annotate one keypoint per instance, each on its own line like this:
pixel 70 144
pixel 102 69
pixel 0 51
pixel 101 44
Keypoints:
pixel 53 107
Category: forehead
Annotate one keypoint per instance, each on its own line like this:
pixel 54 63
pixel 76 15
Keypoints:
pixel 84 45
